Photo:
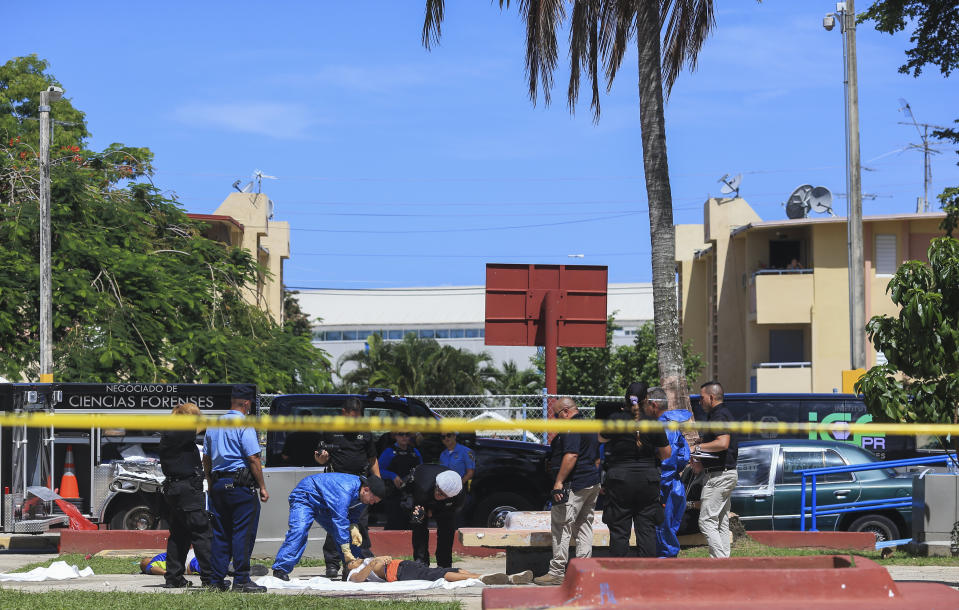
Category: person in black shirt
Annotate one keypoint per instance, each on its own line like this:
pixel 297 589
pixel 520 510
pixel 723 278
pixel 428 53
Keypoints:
pixel 720 469
pixel 350 453
pixel 432 490
pixel 575 489
pixel 185 502
pixel 632 464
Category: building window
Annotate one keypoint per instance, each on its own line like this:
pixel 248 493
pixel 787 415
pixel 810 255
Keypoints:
pixel 457 333
pixel 472 333
pixel 396 335
pixel 443 333
pixel 427 333
pixel 886 254
pixel 880 358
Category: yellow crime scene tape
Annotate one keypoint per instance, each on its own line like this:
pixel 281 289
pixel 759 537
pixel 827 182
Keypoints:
pixel 428 425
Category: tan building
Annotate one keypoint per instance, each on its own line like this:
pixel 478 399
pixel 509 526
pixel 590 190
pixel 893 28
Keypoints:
pixel 767 302
pixel 245 220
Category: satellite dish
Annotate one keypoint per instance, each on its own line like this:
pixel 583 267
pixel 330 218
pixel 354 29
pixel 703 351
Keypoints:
pixel 796 205
pixel 808 197
pixel 731 185
pixel 820 200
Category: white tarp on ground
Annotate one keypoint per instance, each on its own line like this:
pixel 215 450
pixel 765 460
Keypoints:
pixel 318 583
pixel 58 570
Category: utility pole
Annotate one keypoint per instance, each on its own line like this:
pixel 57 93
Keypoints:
pixel 927 150
pixel 857 285
pixel 51 94
pixel 846 14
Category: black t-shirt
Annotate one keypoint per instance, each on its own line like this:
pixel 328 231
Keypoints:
pixel 586 446
pixel 621 449
pixel 728 457
pixel 179 456
pixel 350 452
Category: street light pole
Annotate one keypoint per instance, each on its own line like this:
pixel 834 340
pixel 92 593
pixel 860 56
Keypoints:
pixel 51 94
pixel 846 12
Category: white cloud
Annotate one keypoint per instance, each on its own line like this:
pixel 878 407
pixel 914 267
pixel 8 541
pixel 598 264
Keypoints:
pixel 277 120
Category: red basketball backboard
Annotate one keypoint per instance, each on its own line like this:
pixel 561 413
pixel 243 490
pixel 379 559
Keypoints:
pixel 517 298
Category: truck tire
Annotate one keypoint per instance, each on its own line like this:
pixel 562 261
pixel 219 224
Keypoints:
pixel 136 515
pixel 491 511
pixel 882 527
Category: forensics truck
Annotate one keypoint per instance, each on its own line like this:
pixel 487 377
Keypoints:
pixel 118 477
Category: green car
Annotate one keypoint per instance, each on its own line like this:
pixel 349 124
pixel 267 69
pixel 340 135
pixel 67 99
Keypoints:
pixel 768 494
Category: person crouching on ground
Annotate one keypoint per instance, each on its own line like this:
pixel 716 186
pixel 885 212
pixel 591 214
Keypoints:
pixel 334 500
pixel 387 569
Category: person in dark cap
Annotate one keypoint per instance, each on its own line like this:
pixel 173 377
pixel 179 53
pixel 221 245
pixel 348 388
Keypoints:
pixel 231 461
pixel 336 501
pixel 432 490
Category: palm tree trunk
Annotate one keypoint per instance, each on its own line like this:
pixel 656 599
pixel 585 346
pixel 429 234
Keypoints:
pixel 652 119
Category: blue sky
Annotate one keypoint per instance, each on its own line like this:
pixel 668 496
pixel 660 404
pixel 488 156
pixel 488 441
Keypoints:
pixel 402 167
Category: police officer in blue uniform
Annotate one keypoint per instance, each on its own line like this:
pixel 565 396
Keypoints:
pixel 348 453
pixel 457 457
pixel 232 464
pixel 396 463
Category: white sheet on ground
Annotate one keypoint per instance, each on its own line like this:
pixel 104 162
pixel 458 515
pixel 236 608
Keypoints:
pixel 58 570
pixel 318 583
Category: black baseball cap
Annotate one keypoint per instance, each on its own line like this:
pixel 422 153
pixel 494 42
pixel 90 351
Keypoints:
pixel 245 391
pixel 376 485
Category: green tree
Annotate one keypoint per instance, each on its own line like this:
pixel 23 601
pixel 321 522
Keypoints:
pixel 138 293
pixel 416 366
pixel 513 380
pixel 935 34
pixel 606 371
pixel 922 342
pixel 600 32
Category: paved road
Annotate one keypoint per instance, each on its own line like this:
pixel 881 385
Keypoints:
pixel 470 598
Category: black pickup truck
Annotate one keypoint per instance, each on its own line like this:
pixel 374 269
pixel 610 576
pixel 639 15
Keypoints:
pixel 510 475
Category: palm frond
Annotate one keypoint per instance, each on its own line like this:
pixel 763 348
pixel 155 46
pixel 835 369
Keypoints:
pixel 687 26
pixel 583 52
pixel 543 18
pixel 433 22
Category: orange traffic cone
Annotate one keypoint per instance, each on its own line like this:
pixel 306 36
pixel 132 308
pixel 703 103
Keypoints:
pixel 68 484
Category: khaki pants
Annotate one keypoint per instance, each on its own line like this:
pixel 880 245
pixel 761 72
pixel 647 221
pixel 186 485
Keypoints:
pixel 714 510
pixel 574 518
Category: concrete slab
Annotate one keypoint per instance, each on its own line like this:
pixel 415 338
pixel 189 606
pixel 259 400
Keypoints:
pixel 843 541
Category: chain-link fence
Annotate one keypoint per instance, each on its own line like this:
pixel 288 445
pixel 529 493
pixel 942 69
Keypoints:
pixel 503 407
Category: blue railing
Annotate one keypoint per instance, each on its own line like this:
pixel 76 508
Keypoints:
pixel 849 507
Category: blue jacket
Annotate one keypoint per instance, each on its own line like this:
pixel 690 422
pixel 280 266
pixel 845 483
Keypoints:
pixel 334 498
pixel 674 465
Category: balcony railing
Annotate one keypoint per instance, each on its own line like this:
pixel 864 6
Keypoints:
pixel 782 296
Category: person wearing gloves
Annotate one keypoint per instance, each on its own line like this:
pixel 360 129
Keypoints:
pixel 671 487
pixel 387 569
pixel 334 500
pixel 433 491
pixel 396 463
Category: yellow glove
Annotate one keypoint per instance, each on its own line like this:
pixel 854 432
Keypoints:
pixel 347 554
pixel 356 537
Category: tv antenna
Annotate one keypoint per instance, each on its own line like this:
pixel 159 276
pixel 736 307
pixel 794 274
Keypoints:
pixel 922 205
pixel 806 198
pixel 256 178
pixel 730 185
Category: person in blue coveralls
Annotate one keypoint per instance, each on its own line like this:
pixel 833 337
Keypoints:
pixel 231 462
pixel 671 487
pixel 457 457
pixel 336 501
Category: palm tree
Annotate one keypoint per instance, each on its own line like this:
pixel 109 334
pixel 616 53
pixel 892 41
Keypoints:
pixel 512 380
pixel 416 366
pixel 600 31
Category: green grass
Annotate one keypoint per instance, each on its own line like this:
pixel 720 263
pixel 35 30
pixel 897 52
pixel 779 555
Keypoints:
pixel 746 547
pixel 84 600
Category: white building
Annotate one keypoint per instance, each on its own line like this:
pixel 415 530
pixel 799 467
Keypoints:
pixel 453 315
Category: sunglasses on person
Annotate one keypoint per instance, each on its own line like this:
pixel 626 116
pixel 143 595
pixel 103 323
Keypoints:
pixel 448 435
